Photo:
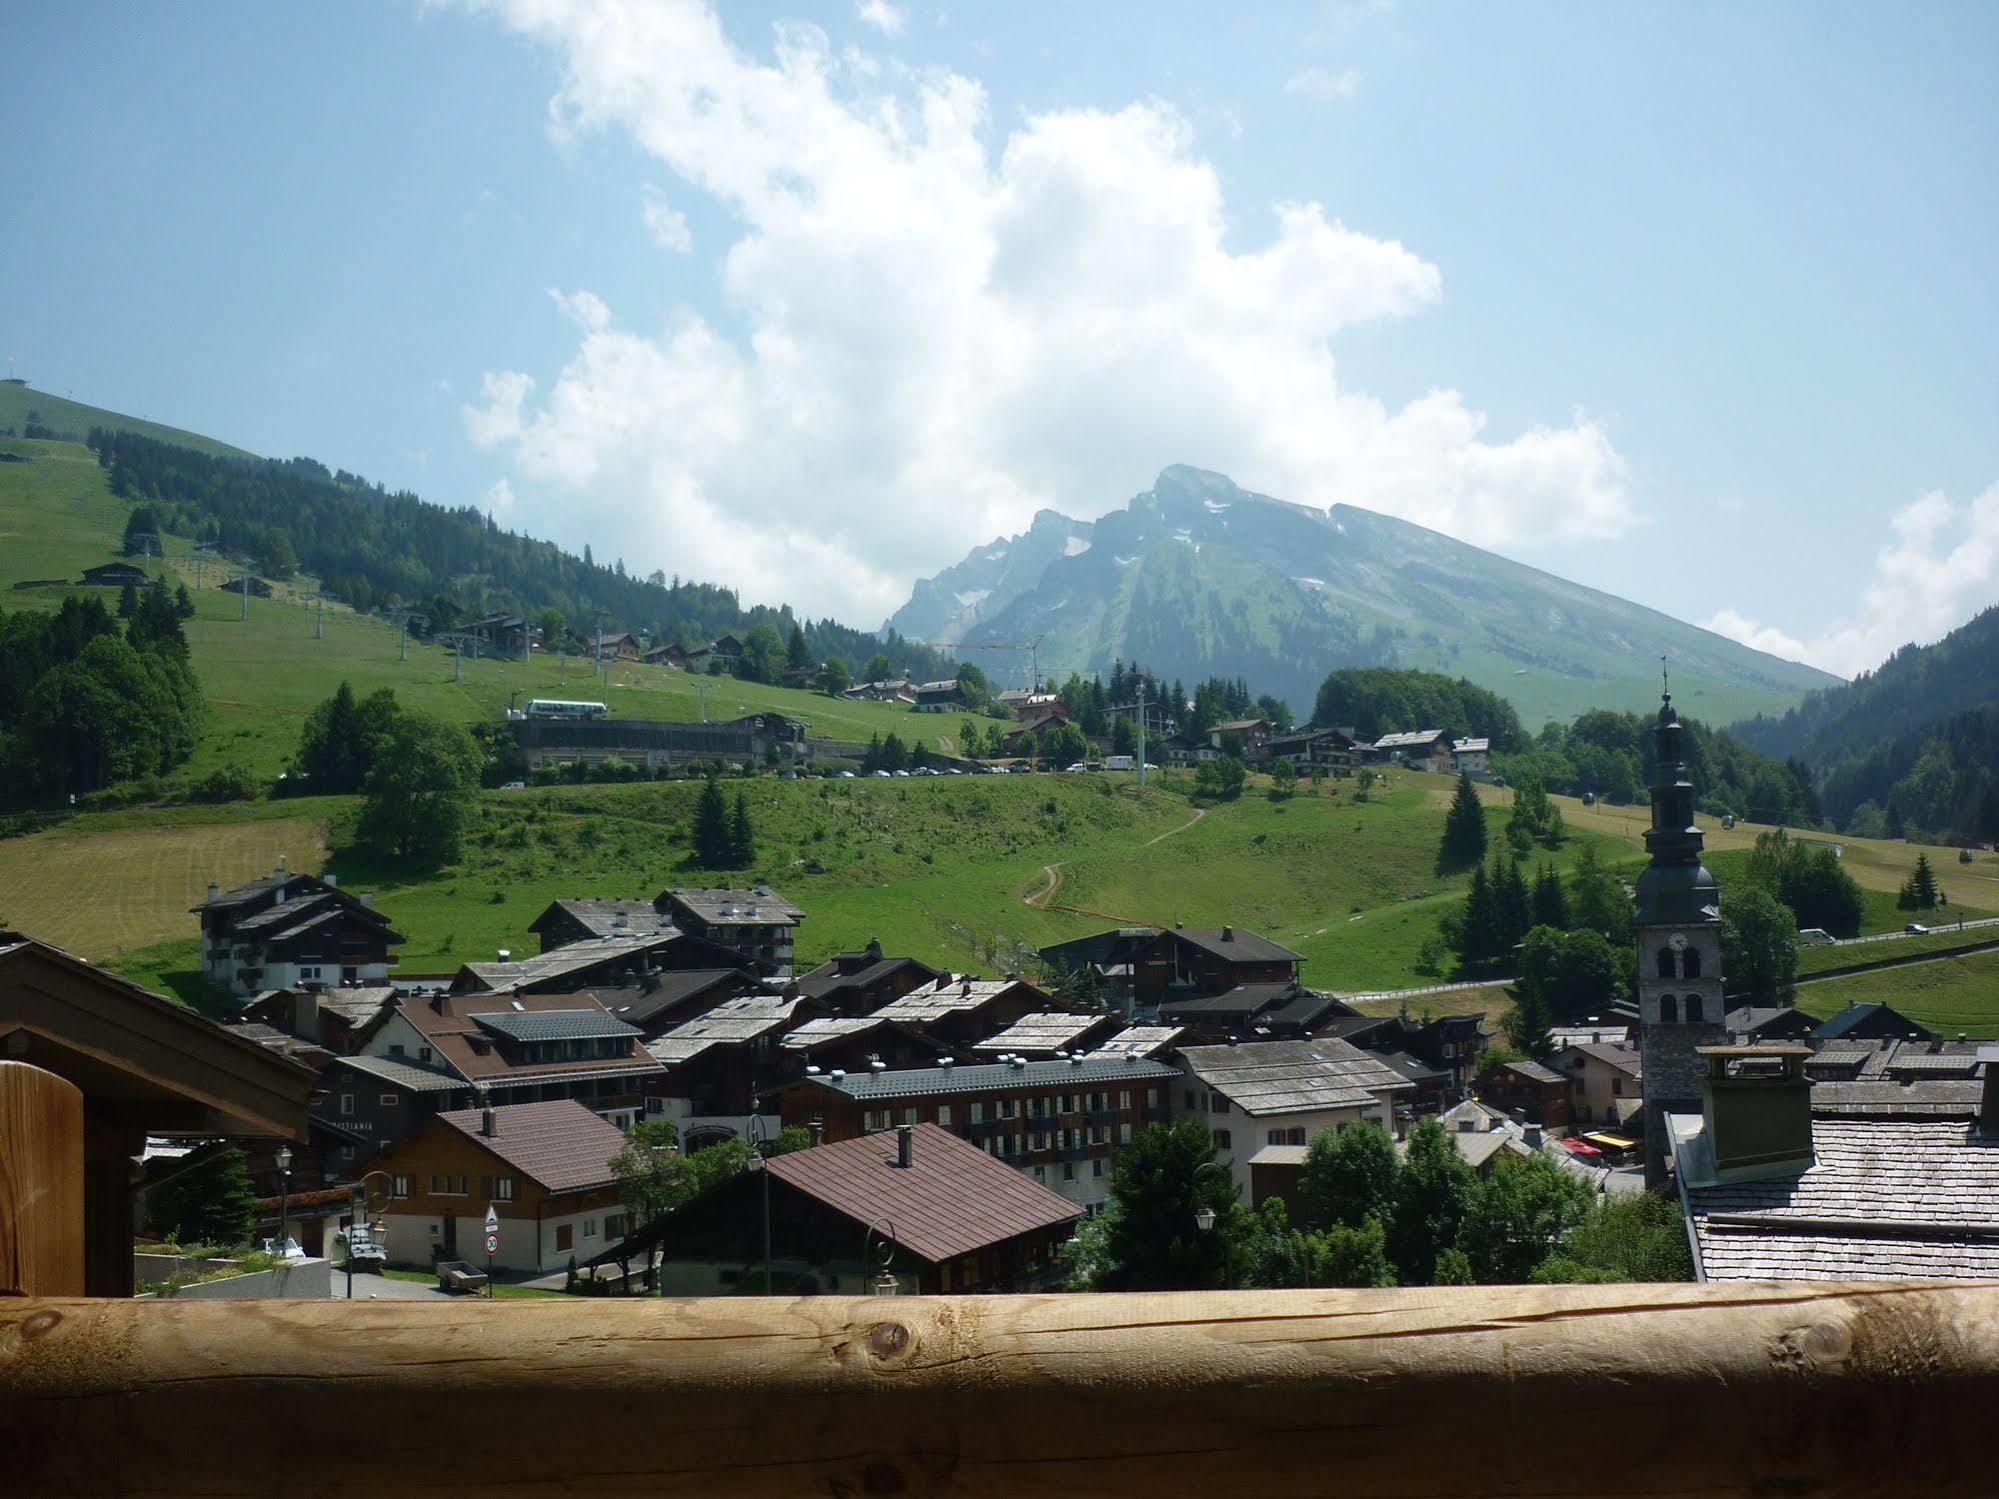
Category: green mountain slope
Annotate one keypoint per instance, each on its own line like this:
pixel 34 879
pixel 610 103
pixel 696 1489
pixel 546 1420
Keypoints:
pixel 20 403
pixel 1198 576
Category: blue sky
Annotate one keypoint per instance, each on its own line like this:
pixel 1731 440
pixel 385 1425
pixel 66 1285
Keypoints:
pixel 1695 306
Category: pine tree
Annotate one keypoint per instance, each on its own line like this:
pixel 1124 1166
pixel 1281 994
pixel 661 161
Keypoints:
pixel 797 654
pixel 1511 904
pixel 212 1204
pixel 742 838
pixel 1551 901
pixel 711 827
pixel 1478 939
pixel 1464 828
pixel 128 601
pixel 1919 891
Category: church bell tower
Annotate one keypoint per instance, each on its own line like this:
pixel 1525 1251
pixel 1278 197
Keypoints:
pixel 1679 946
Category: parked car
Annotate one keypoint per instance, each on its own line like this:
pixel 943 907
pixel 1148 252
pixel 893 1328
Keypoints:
pixel 846 775
pixel 883 774
pixel 1079 765
pixel 995 770
pixel 1916 929
pixel 515 786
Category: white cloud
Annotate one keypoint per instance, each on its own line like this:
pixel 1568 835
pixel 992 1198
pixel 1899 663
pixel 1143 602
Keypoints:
pixel 886 18
pixel 665 223
pixel 1323 84
pixel 500 501
pixel 947 325
pixel 1940 568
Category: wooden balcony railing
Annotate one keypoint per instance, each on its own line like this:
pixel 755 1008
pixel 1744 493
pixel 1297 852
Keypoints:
pixel 1656 1390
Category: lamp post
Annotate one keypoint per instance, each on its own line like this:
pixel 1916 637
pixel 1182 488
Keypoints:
pixel 1205 1219
pixel 757 1165
pixel 878 1252
pixel 362 1205
pixel 284 1159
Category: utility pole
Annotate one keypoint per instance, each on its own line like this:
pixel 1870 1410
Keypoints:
pixel 319 619
pixel 403 645
pixel 244 581
pixel 1141 733
pixel 702 688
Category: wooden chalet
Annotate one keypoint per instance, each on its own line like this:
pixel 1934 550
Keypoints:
pixel 115 575
pixel 859 983
pixel 668 653
pixel 289 931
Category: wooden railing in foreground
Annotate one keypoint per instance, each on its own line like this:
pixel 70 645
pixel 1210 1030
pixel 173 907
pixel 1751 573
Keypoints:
pixel 1642 1390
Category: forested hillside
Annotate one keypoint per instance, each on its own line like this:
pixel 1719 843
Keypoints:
pixel 372 548
pixel 1912 746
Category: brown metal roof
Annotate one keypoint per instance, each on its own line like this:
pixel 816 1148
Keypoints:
pixel 952 1199
pixel 560 1143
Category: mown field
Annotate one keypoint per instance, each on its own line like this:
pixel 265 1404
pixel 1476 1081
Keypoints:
pixel 1949 995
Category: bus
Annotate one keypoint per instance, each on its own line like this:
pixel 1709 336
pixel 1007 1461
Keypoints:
pixel 549 707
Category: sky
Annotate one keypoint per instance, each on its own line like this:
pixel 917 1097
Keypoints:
pixel 1694 305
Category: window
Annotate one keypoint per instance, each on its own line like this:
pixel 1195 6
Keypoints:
pixel 1669 1007
pixel 1294 1136
pixel 944 1114
pixel 346 1104
pixel 1124 1098
pixel 395 1048
pixel 399 1186
pixel 423 1053
pixel 503 1189
pixel 1191 1105
pixel 388 1100
pixel 565 1237
pixel 1218 1104
pixel 909 1116
pixel 614 1226
pixel 1694 1015
pixel 1097 1166
pixel 1068 1172
pixel 1617 1087
pixel 1690 963
pixel 977 1113
pixel 1665 962
pixel 589 1228
pixel 1221 1139
pixel 347 1152
pixel 1124 1134
pixel 1152 1098
pixel 870 1121
pixel 1041 1173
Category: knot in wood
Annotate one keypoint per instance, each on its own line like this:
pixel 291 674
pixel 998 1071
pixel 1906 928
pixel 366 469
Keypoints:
pixel 43 1321
pixel 888 1339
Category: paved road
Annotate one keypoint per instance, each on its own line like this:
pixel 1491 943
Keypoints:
pixel 381 1288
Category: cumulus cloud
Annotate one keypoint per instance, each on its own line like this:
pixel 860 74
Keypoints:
pixel 879 14
pixel 500 500
pixel 941 325
pixel 1324 84
pixel 666 224
pixel 1940 567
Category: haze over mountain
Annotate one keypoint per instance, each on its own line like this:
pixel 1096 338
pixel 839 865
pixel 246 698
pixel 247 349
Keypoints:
pixel 1198 576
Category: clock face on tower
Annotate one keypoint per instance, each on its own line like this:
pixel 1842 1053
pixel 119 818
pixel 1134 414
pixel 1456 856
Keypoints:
pixel 1678 942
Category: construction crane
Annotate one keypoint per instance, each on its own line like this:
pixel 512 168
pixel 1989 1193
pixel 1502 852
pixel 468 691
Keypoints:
pixel 1032 647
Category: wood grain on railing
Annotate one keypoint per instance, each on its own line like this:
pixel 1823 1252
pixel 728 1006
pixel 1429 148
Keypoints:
pixel 41 1183
pixel 1763 1390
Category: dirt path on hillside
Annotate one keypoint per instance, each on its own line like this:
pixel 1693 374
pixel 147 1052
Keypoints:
pixel 1199 813
pixel 1039 898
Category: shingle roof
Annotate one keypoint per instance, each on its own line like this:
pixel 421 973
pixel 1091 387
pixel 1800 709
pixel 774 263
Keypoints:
pixel 826 979
pixel 1857 1014
pixel 591 1024
pixel 1238 945
pixel 560 1144
pixel 1885 1200
pixel 608 918
pixel 1409 739
pixel 828 1028
pixel 1292 1077
pixel 1044 1030
pixel 1626 1059
pixel 567 961
pixel 994 1077
pixel 457 1025
pixel 403 1074
pixel 730 1023
pixel 1243 1001
pixel 762 905
pixel 1532 1070
pixel 952 1199
pixel 1139 1040
pixel 953 994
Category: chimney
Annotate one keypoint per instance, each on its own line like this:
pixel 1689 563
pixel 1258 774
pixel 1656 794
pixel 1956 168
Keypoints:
pixel 816 1128
pixel 1531 1136
pixel 332 881
pixel 1228 934
pixel 876 1064
pixel 1756 1104
pixel 214 892
pixel 487 1126
pixel 1019 1063
pixel 305 1015
pixel 905 1145
pixel 368 898
pixel 947 1063
pixel 1988 1098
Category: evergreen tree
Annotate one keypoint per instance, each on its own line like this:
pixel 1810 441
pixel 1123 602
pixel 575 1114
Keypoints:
pixel 1511 904
pixel 711 827
pixel 1551 901
pixel 1464 829
pixel 797 654
pixel 128 601
pixel 1478 933
pixel 1158 1183
pixel 211 1204
pixel 1919 891
pixel 742 838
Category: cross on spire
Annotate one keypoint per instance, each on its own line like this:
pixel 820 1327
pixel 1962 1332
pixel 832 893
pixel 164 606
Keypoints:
pixel 1665 681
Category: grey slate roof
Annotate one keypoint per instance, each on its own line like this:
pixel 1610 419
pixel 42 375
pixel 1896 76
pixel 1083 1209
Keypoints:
pixel 1139 1040
pixel 1532 1070
pixel 730 1023
pixel 995 1077
pixel 609 918
pixel 734 907
pixel 1044 1030
pixel 406 1075
pixel 1293 1077
pixel 1237 945
pixel 554 1025
pixel 1885 1200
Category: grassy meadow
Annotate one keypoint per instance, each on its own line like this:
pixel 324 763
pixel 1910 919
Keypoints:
pixel 1951 996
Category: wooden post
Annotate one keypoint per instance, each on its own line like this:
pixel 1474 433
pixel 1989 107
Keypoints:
pixel 41 1183
pixel 1676 1390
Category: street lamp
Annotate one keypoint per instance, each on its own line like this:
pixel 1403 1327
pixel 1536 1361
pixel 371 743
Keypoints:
pixel 1205 1219
pixel 878 1251
pixel 756 1133
pixel 361 1203
pixel 284 1159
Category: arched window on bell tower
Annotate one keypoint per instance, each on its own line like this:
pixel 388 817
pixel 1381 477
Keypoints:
pixel 1690 963
pixel 1665 962
pixel 1694 1016
pixel 1669 1008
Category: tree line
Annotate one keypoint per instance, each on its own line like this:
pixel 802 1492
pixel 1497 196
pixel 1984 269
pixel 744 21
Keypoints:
pixel 373 549
pixel 85 703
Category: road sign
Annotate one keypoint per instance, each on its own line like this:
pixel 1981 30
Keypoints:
pixel 492 1219
pixel 492 1243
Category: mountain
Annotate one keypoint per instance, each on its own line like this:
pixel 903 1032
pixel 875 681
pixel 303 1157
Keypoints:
pixel 1913 743
pixel 1197 577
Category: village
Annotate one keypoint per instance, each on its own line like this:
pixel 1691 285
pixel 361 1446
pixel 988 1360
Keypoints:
pixel 886 1122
